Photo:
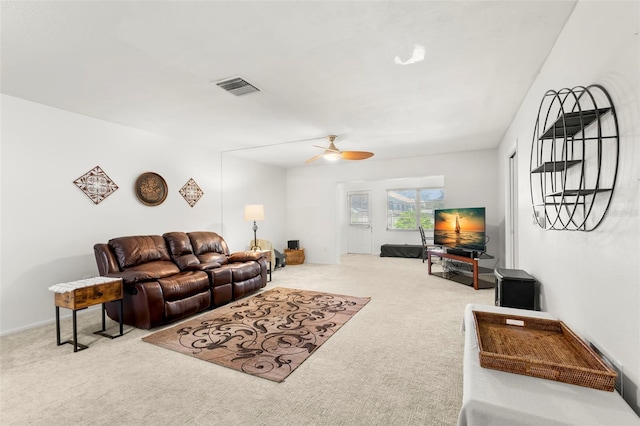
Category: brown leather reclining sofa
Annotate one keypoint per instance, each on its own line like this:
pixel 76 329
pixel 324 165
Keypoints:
pixel 177 274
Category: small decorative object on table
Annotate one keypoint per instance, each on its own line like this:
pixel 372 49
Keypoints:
pixel 76 295
pixel 294 256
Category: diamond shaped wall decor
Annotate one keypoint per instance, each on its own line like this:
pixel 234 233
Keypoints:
pixel 191 192
pixel 96 184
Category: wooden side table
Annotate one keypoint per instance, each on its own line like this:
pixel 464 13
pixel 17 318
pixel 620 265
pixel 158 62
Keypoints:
pixel 267 256
pixel 294 256
pixel 81 294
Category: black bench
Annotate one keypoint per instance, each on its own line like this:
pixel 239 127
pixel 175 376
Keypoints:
pixel 401 250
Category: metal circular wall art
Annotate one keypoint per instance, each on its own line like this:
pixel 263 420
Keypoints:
pixel 151 189
pixel 574 158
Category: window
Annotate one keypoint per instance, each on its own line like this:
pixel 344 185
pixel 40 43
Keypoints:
pixel 359 208
pixel 408 207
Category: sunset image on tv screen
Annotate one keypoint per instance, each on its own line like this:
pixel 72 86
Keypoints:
pixel 460 228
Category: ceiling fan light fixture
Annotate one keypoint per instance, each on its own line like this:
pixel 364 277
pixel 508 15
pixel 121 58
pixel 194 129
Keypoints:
pixel 332 156
pixel 331 153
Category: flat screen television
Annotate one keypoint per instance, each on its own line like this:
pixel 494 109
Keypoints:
pixel 462 229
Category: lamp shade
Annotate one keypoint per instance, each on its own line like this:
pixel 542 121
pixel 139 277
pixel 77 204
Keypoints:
pixel 254 212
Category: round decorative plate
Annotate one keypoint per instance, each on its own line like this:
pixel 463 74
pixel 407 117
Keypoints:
pixel 151 189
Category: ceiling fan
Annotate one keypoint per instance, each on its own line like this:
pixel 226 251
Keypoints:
pixel 332 153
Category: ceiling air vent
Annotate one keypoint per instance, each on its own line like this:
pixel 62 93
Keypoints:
pixel 237 86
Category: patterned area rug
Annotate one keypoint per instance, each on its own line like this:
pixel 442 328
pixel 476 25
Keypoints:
pixel 268 335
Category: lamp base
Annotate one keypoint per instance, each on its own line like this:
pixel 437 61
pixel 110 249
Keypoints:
pixel 255 246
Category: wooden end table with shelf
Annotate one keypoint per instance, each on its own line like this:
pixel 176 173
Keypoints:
pixel 267 256
pixel 81 294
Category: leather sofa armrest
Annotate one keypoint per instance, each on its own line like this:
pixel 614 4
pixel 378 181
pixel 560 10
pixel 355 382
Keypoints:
pixel 147 305
pixel 202 266
pixel 105 259
pixel 245 256
pixel 128 277
pixel 146 272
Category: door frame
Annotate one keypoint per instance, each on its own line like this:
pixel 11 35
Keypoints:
pixel 512 210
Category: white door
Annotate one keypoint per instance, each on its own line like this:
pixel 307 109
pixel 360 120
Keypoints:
pixel 360 225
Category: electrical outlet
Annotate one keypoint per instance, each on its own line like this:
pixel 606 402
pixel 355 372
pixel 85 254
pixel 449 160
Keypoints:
pixel 615 366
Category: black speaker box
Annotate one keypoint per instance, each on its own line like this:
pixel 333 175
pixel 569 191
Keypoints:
pixel 515 289
pixel 293 244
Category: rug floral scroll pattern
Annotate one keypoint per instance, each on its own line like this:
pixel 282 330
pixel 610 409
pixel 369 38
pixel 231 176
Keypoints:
pixel 268 335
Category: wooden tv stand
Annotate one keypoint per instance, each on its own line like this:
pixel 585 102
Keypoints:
pixel 469 260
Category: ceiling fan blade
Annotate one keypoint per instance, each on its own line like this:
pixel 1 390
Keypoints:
pixel 312 159
pixel 356 155
pixel 332 153
pixel 328 148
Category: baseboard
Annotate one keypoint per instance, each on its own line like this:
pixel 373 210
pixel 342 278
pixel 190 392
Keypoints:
pixel 63 315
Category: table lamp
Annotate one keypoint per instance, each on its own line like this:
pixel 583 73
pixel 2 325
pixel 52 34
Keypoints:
pixel 254 212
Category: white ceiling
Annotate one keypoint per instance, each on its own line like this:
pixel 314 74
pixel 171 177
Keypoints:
pixel 322 67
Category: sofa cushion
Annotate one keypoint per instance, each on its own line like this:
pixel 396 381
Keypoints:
pixel 176 309
pixel 208 242
pixel 244 271
pixel 187 262
pixel 180 250
pixel 183 285
pixel 147 271
pixel 242 288
pixel 136 250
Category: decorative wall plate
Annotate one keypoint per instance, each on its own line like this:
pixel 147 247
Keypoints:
pixel 96 185
pixel 151 189
pixel 191 192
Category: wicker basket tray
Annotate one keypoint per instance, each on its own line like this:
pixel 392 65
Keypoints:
pixel 540 348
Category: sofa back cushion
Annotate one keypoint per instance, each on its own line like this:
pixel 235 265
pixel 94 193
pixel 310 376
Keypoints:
pixel 209 247
pixel 137 250
pixel 180 250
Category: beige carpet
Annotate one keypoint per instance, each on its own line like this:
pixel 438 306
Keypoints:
pixel 268 335
pixel 358 377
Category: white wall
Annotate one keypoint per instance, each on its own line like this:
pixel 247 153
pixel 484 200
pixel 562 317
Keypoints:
pixel 591 280
pixel 49 226
pixel 245 182
pixel 315 196
pixel 378 209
